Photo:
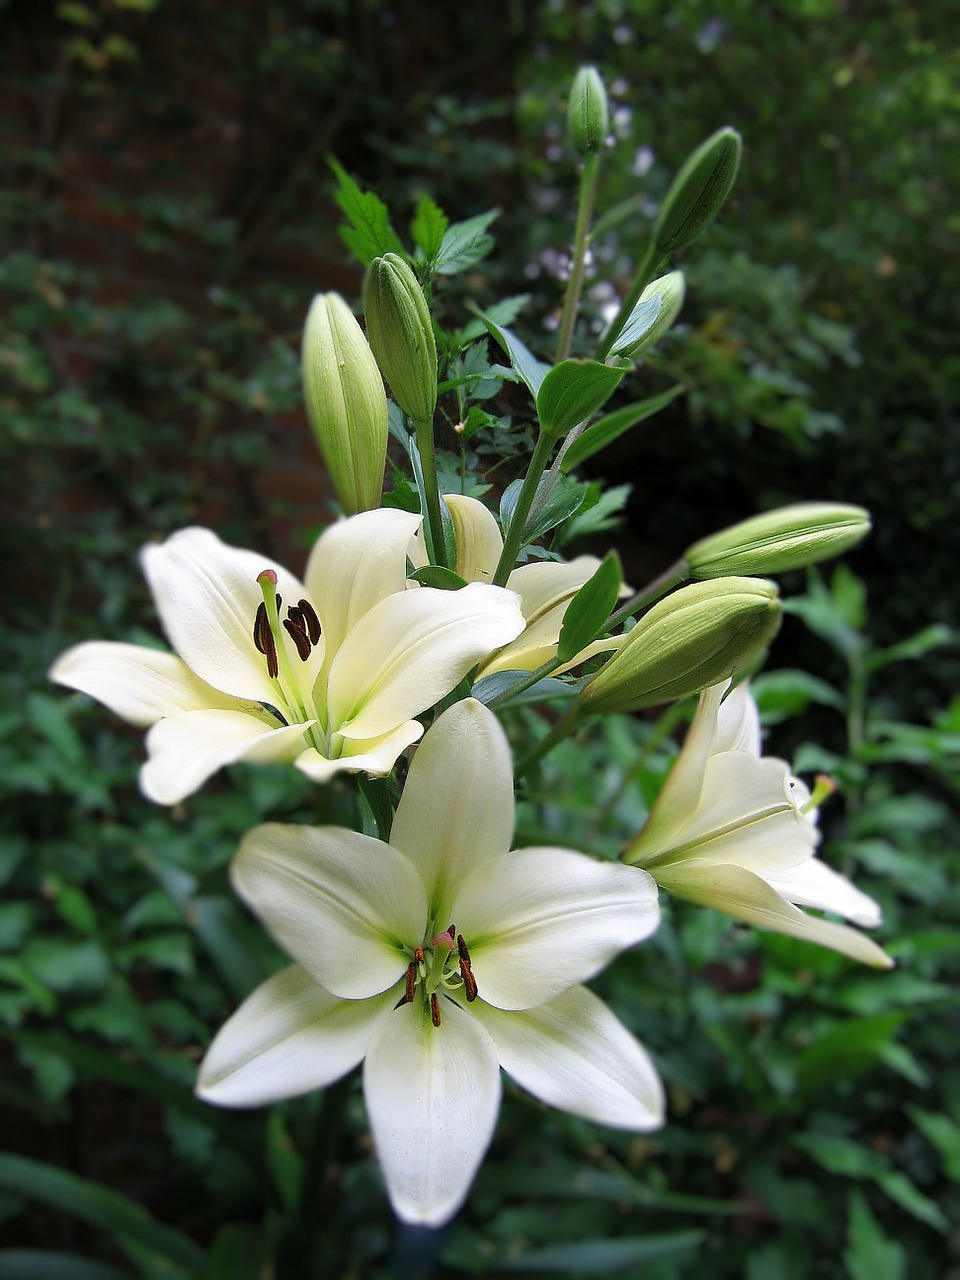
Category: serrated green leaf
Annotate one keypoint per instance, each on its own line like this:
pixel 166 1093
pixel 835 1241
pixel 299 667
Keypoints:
pixel 572 392
pixel 428 227
pixel 369 233
pixel 465 244
pixel 599 434
pixel 870 1254
pixel 589 609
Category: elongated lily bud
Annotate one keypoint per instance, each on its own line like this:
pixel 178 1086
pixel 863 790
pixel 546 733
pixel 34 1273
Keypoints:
pixel 698 192
pixel 670 289
pixel 588 117
pixel 401 335
pixel 787 538
pixel 696 637
pixel 346 402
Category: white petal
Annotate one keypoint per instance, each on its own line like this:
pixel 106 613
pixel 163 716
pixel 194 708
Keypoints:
pixel 479 543
pixel 140 684
pixel 354 565
pixel 813 884
pixel 738 723
pixel 207 596
pixel 432 1096
pixel 410 650
pixel 545 589
pixel 288 1037
pixel 541 920
pixel 340 903
pixel 185 750
pixel 574 1054
pixel 457 807
pixel 376 756
pixel 746 896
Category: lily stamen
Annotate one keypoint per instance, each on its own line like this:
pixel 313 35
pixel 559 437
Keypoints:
pixel 435 1010
pixel 263 639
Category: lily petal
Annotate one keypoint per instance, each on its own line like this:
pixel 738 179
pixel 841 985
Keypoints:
pixel 457 807
pixel 574 1054
pixel 738 723
pixel 376 756
pixel 814 884
pixel 542 920
pixel 140 684
pixel 411 649
pixel 479 542
pixel 288 1037
pixel 740 893
pixel 184 750
pixel 340 903
pixel 545 589
pixel 354 565
pixel 207 596
pixel 432 1097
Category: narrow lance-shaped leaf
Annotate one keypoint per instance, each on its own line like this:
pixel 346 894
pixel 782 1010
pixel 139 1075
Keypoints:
pixel 599 434
pixel 590 607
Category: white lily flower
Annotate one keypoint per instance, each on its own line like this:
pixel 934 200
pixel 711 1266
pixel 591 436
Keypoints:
pixel 545 587
pixel 327 674
pixel 736 832
pixel 438 958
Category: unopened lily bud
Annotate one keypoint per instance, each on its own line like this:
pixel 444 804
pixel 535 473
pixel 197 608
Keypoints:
pixel 787 538
pixel 346 402
pixel 698 191
pixel 588 117
pixel 696 637
pixel 401 335
pixel 671 289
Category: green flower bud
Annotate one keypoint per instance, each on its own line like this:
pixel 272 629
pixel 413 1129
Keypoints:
pixel 776 541
pixel 401 335
pixel 696 637
pixel 346 402
pixel 588 117
pixel 698 192
pixel 638 334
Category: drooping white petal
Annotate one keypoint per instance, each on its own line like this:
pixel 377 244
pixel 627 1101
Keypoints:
pixel 740 893
pixel 185 750
pixel 410 650
pixel 814 884
pixel 140 684
pixel 432 1097
pixel 541 920
pixel 376 756
pixel 340 903
pixel 354 565
pixel 738 723
pixel 748 815
pixel 479 542
pixel 207 596
pixel 288 1037
pixel 574 1054
pixel 545 589
pixel 457 807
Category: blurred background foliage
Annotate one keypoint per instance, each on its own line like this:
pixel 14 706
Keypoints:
pixel 167 213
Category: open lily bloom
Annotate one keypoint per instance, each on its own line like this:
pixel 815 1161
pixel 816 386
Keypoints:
pixel 327 674
pixel 733 831
pixel 438 958
pixel 545 587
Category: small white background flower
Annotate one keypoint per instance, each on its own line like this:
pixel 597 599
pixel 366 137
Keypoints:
pixel 435 1013
pixel 330 679
pixel 731 830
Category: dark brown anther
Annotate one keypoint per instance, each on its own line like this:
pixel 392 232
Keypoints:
pixel 411 981
pixel 462 951
pixel 418 954
pixel 299 637
pixel 263 639
pixel 469 983
pixel 435 1010
pixel 310 619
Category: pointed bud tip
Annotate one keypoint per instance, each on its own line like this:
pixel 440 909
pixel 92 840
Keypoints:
pixel 588 116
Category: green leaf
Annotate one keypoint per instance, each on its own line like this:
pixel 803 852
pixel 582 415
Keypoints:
pixel 498 686
pixel 943 1134
pixel 870 1254
pixel 503 312
pixel 528 367
pixel 640 321
pixel 433 575
pixel 849 1048
pixel 599 434
pixel 916 646
pixel 572 392
pixel 589 609
pixel 781 695
pixel 465 244
pixel 44 1264
pixel 112 1212
pixel 369 233
pixel 428 227
pixel 565 499
pixel 601 1257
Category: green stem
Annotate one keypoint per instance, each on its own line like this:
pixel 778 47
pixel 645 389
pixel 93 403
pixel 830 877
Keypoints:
pixel 377 795
pixel 571 301
pixel 670 578
pixel 561 730
pixel 428 463
pixel 513 538
pixel 642 278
